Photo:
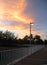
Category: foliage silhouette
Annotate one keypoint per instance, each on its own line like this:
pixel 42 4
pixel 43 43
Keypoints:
pixel 38 40
pixel 45 42
pixel 8 38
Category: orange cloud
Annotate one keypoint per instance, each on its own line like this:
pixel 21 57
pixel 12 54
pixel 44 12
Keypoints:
pixel 36 33
pixel 21 30
pixel 13 10
pixel 2 24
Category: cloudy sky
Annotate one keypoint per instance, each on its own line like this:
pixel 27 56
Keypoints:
pixel 16 15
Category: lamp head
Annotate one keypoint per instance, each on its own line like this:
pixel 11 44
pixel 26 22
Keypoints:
pixel 31 23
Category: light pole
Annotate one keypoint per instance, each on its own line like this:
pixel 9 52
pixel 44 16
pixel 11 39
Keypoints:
pixel 30 32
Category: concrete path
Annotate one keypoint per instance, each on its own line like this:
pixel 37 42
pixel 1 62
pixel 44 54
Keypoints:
pixel 38 58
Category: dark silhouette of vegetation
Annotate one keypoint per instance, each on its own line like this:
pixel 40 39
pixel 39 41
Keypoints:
pixel 8 38
pixel 26 40
pixel 45 42
pixel 38 40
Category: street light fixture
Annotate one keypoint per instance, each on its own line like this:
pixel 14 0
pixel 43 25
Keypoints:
pixel 30 32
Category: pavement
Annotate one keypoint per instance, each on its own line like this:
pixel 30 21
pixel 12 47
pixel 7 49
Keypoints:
pixel 38 58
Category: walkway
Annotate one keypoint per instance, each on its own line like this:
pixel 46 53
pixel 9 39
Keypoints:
pixel 38 58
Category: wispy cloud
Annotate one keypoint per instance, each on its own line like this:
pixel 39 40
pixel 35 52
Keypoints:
pixel 14 11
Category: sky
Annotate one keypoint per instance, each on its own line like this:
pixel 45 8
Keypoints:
pixel 16 15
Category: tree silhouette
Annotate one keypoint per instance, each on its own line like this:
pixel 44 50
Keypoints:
pixel 1 35
pixel 8 38
pixel 9 35
pixel 26 39
pixel 45 42
pixel 38 40
pixel 31 36
pixel 37 37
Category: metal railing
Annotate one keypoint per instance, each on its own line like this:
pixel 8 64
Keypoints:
pixel 10 56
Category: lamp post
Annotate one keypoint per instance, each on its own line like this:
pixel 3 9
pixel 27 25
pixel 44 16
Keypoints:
pixel 30 32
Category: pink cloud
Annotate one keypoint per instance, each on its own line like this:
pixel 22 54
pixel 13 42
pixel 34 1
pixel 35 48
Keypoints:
pixel 13 10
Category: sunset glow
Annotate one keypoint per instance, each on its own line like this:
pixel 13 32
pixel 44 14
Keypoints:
pixel 16 15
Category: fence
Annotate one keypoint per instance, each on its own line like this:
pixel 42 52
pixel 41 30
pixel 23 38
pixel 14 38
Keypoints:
pixel 8 57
